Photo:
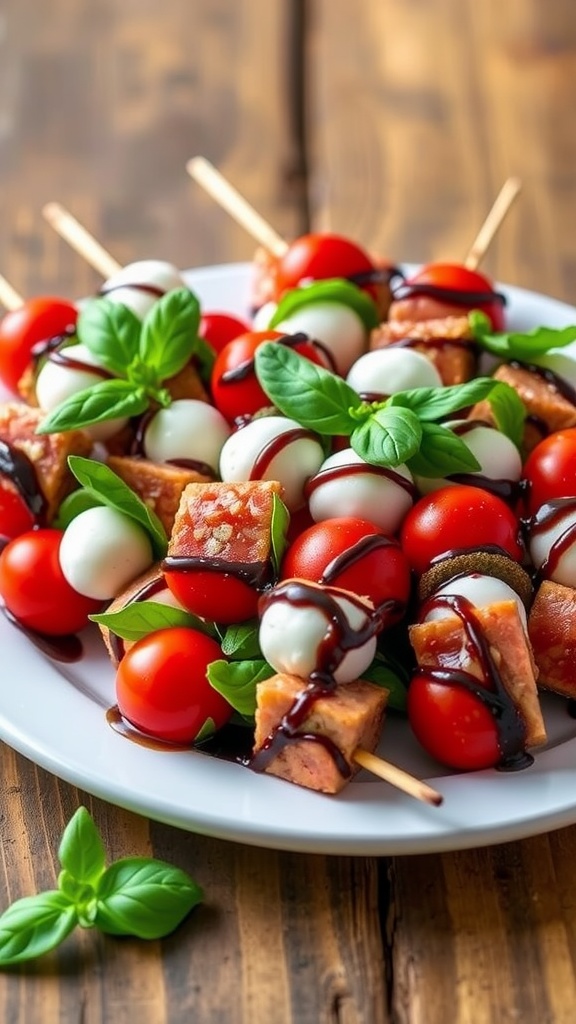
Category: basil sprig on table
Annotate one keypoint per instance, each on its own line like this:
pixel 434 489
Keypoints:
pixel 138 896
pixel 525 347
pixel 142 354
pixel 401 429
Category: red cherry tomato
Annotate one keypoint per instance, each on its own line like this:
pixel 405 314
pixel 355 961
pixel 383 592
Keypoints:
pixel 456 519
pixel 21 329
pixel 452 724
pixel 454 278
pixel 317 257
pixel 15 516
pixel 216 596
pixel 235 388
pixel 379 570
pixel 220 328
pixel 550 470
pixel 162 687
pixel 34 590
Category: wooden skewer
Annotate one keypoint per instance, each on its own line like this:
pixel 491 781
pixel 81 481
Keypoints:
pixel 398 777
pixel 500 208
pixel 9 297
pixel 210 179
pixel 80 239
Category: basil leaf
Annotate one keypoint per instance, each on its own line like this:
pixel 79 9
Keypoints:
pixel 75 503
pixel 111 332
pixel 236 681
pixel 81 851
pixel 431 404
pixel 242 641
pixel 100 481
pixel 140 618
pixel 442 452
pixel 34 925
pixel 206 730
pixel 107 400
pixel 389 437
pixel 204 357
pixel 144 897
pixel 508 410
pixel 514 345
pixel 278 531
pixel 168 334
pixel 335 290
pixel 317 398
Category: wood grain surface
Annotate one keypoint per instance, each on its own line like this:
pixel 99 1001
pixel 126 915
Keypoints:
pixel 393 121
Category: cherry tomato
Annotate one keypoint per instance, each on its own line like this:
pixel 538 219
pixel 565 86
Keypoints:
pixel 162 686
pixel 34 589
pixel 15 516
pixel 216 596
pixel 458 518
pixel 21 329
pixel 550 469
pixel 452 724
pixel 452 277
pixel 235 388
pixel 220 328
pixel 379 572
pixel 316 257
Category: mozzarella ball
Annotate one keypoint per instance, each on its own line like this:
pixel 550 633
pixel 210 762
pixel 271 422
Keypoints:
pixel 297 630
pixel 338 327
pixel 102 551
pixel 139 285
pixel 272 448
pixel 262 317
pixel 376 494
pixel 188 430
pixel 480 590
pixel 498 456
pixel 562 567
pixel 57 382
pixel 385 371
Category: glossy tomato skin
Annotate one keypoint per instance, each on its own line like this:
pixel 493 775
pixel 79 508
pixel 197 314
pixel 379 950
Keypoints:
pixel 320 256
pixel 220 328
pixel 216 596
pixel 15 516
pixel 455 519
pixel 34 589
pixel 382 573
pixel 550 470
pixel 452 724
pixel 21 329
pixel 454 277
pixel 162 687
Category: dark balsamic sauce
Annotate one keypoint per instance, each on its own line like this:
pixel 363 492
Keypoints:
pixel 246 368
pixel 356 468
pixel 148 289
pixel 66 649
pixel 453 296
pixel 121 725
pixel 256 574
pixel 275 446
pixel 550 515
pixel 561 385
pixel 19 469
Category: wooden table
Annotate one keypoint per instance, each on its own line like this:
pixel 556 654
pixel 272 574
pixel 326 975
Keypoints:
pixel 394 122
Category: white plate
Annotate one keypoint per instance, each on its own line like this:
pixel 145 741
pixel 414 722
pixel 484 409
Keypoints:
pixel 55 715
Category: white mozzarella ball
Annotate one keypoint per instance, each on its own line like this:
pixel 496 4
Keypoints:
pixel 294 635
pixel 102 551
pixel 498 456
pixel 376 493
pixel 187 429
pixel 139 285
pixel 338 327
pixel 386 371
pixel 262 317
pixel 480 590
pixel 57 382
pixel 272 448
pixel 562 568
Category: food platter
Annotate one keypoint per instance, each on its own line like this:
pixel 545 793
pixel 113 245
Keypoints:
pixel 55 714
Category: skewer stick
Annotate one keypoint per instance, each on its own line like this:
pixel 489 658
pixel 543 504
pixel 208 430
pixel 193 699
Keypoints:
pixel 9 297
pixel 491 225
pixel 206 175
pixel 80 239
pixel 397 777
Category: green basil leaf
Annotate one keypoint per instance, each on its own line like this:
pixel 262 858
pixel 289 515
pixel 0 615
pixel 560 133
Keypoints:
pixel 389 437
pixel 107 487
pixel 442 452
pixel 508 410
pixel 140 618
pixel 75 503
pixel 317 398
pixel 278 531
pixel 81 851
pixel 111 332
pixel 204 357
pixel 336 290
pixel 144 897
pixel 34 925
pixel 242 641
pixel 206 730
pixel 169 333
pixel 107 400
pixel 236 681
pixel 431 404
pixel 515 345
